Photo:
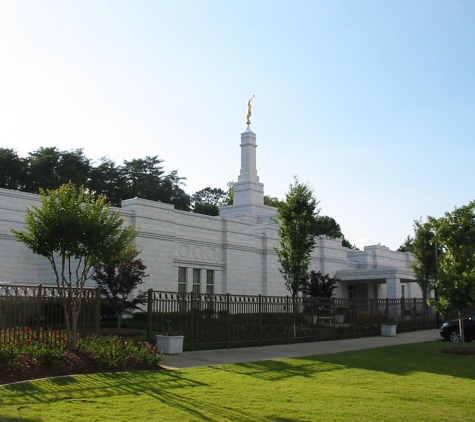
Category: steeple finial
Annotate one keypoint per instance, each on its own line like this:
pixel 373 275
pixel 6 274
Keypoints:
pixel 248 121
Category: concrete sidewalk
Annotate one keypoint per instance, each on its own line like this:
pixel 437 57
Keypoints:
pixel 253 354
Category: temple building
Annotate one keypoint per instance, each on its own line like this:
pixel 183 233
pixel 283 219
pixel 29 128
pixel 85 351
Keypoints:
pixel 230 253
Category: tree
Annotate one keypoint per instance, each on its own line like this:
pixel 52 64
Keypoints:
pixel 49 168
pixel 329 227
pixel 272 201
pixel 297 219
pixel 75 232
pixel 407 246
pixel 108 179
pixel 424 249
pixel 455 233
pixel 117 283
pixel 12 170
pixel 319 285
pixel 208 200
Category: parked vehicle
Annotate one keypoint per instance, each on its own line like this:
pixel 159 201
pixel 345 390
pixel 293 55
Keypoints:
pixel 450 330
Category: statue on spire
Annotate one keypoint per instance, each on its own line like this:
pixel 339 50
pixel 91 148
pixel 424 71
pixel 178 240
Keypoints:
pixel 249 111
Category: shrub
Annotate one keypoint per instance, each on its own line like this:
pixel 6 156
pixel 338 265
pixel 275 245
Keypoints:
pixel 114 353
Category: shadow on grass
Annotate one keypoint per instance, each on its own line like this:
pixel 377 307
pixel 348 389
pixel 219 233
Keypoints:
pixel 167 387
pixel 397 360
pixel 17 419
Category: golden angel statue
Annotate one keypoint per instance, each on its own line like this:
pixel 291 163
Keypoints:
pixel 249 111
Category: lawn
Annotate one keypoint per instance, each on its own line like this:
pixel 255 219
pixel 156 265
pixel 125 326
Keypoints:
pixel 409 382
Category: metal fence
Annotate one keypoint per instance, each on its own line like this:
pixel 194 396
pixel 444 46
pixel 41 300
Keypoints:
pixel 211 321
pixel 40 308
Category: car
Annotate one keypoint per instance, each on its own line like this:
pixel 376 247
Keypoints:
pixel 450 330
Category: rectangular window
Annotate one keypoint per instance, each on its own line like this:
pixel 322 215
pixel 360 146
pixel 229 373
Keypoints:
pixel 182 279
pixel 210 281
pixel 196 280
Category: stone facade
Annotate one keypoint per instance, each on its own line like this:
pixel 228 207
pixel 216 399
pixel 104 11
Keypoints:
pixel 232 253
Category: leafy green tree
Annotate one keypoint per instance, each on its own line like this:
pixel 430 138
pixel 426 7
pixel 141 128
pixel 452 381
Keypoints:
pixel 330 228
pixel 297 219
pixel 49 168
pixel 424 249
pixel 455 233
pixel 108 179
pixel 117 283
pixel 75 232
pixel 208 200
pixel 407 246
pixel 272 201
pixel 320 285
pixel 12 170
pixel 146 179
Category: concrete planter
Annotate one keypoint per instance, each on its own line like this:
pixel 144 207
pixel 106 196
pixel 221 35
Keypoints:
pixel 170 345
pixel 388 330
pixel 339 319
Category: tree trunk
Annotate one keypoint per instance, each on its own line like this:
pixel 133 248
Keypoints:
pixel 461 329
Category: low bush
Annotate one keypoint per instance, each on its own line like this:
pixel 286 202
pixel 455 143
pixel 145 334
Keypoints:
pixel 47 347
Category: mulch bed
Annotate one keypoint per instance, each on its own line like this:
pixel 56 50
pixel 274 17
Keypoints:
pixel 459 350
pixel 72 363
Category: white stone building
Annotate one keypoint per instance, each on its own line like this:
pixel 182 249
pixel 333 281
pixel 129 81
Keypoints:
pixel 232 253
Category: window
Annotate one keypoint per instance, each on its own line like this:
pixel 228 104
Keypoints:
pixel 182 279
pixel 210 281
pixel 196 280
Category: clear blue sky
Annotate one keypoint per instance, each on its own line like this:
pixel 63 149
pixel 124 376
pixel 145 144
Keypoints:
pixel 370 102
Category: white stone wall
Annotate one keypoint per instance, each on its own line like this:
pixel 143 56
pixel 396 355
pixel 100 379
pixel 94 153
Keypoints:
pixel 239 249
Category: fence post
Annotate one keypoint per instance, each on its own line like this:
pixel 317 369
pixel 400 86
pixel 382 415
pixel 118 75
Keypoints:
pixel 38 312
pixel 149 315
pixel 260 320
pixel 229 319
pixel 288 318
pixel 371 316
pixel 97 310
pixel 414 313
pixel 333 314
pixel 192 299
pixel 402 310
pixel 387 311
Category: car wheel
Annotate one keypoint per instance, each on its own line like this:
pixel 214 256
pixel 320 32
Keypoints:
pixel 455 336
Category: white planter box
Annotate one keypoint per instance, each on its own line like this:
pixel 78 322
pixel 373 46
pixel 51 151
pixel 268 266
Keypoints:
pixel 339 319
pixel 170 345
pixel 388 330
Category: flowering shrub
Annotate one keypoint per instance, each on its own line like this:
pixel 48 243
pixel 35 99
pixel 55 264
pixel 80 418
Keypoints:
pixel 42 347
pixel 46 347
pixel 113 352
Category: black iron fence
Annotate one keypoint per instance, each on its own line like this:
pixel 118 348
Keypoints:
pixel 40 308
pixel 212 321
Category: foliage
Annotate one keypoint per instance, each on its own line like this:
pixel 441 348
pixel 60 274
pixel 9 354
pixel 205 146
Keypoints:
pixel 455 232
pixel 208 200
pixel 424 249
pixel 117 283
pixel 328 226
pixel 407 246
pixel 110 352
pixel 12 170
pixel 297 219
pixel 49 168
pixel 45 349
pixel 320 285
pixel 75 232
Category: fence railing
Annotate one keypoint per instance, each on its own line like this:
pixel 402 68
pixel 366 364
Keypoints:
pixel 40 308
pixel 211 321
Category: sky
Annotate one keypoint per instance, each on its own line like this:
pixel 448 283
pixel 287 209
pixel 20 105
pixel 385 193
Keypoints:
pixel 371 103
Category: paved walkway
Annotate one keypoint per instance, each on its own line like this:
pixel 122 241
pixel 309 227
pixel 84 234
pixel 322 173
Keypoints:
pixel 253 354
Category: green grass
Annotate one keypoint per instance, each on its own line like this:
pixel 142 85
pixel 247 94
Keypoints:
pixel 399 383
